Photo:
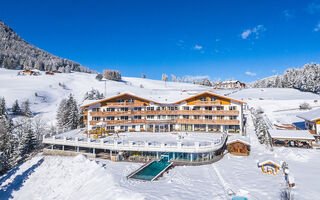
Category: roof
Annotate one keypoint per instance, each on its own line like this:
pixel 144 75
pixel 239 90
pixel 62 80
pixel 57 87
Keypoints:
pixel 210 93
pixel 119 95
pixel 291 134
pixel 311 115
pixel 237 138
pixel 158 99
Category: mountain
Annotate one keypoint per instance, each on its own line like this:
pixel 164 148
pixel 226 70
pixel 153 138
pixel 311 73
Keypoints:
pixel 15 53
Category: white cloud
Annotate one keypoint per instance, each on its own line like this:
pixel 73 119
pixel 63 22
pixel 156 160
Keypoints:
pixel 197 47
pixel 317 28
pixel 250 73
pixel 313 8
pixel 254 32
pixel 288 14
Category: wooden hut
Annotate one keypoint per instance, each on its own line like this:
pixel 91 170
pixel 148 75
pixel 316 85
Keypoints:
pixel 238 146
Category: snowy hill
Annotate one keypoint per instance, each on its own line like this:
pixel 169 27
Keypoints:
pixel 49 93
pixel 15 53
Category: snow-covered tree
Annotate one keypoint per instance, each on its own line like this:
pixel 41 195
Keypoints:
pixel 112 75
pixel 93 94
pixel 68 113
pixel 164 77
pixel 173 78
pixel 16 110
pixel 3 108
pixel 144 76
pixel 99 77
pixel 26 109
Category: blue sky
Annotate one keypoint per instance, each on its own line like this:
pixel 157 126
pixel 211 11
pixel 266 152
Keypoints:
pixel 238 39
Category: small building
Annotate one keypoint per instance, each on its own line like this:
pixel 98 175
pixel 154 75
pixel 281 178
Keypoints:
pixel 269 167
pixel 230 84
pixel 312 120
pixel 49 73
pixel 29 72
pixel 291 138
pixel 239 146
pixel 56 71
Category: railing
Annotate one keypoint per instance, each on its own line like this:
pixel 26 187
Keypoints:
pixel 119 104
pixel 209 103
pixel 167 112
pixel 196 147
pixel 175 121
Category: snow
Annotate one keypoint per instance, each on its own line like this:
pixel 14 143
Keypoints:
pixel 291 134
pixel 54 177
pixel 50 94
pixel 311 115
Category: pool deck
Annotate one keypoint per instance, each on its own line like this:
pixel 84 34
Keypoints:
pixel 188 142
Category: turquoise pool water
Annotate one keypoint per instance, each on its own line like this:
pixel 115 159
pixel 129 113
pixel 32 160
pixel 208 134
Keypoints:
pixel 151 170
pixel 239 198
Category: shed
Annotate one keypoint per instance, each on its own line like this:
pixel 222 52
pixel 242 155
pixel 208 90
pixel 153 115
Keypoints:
pixel 239 146
pixel 291 138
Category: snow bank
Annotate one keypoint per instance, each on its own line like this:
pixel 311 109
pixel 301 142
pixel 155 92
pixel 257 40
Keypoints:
pixel 72 178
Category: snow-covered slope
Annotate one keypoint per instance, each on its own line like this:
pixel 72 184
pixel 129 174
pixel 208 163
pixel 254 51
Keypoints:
pixel 50 93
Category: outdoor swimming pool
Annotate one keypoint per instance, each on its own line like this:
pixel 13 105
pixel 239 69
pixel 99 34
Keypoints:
pixel 151 171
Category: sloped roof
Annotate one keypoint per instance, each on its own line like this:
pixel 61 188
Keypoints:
pixel 311 115
pixel 291 134
pixel 162 100
pixel 210 93
pixel 238 138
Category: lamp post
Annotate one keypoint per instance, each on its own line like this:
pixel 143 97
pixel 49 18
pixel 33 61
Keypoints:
pixel 105 86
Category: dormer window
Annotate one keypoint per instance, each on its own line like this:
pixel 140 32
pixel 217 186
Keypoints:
pixel 203 99
pixel 213 98
pixel 130 100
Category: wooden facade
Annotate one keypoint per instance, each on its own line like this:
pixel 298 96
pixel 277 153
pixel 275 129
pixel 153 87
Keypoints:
pixel 239 148
pixel 203 112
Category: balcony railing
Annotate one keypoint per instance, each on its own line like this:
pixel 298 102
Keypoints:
pixel 167 112
pixel 175 121
pixel 124 104
pixel 207 103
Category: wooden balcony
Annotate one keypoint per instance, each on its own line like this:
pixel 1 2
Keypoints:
pixel 207 103
pixel 124 104
pixel 204 121
pixel 170 121
pixel 167 112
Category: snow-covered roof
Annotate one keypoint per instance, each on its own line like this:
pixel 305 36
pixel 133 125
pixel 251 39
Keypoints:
pixel 311 115
pixel 163 98
pixel 268 161
pixel 291 134
pixel 240 138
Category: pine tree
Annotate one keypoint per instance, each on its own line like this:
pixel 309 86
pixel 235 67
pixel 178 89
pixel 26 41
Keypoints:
pixel 27 111
pixel 61 113
pixel 3 108
pixel 16 110
pixel 5 144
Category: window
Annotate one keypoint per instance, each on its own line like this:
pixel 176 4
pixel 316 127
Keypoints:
pixel 208 117
pixel 150 108
pixel 95 118
pixel 110 127
pixel 150 116
pixel 196 117
pixel 124 117
pixel 233 108
pixel 120 100
pixel 110 109
pixel 203 99
pixel 130 100
pixel 185 108
pixel 141 126
pixel 213 98
pixel 208 108
pixel 196 108
pixel 137 108
pixel 85 117
pixel 133 126
pixel 233 117
pixel 110 118
pixel 95 109
pixel 220 117
pixel 158 108
pixel 124 109
pixel 219 107
pixel 137 117
pixel 185 116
